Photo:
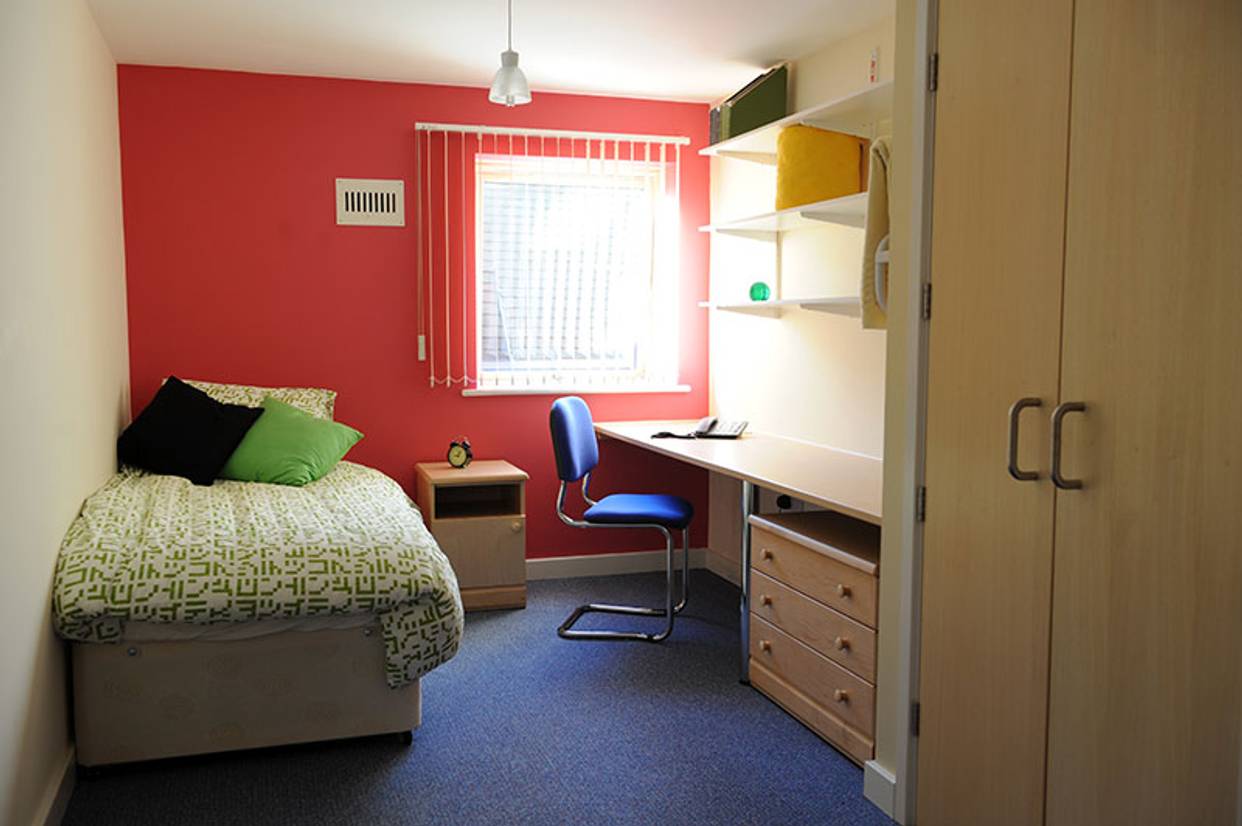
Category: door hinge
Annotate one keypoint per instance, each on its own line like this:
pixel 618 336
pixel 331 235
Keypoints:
pixel 920 504
pixel 933 71
pixel 914 719
pixel 926 306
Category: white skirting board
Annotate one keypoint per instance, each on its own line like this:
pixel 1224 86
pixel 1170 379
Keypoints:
pixel 880 787
pixel 57 802
pixel 632 562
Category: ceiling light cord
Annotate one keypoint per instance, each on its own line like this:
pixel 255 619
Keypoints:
pixel 509 86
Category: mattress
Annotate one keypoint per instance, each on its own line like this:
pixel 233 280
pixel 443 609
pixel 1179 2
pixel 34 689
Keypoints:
pixel 156 557
pixel 223 632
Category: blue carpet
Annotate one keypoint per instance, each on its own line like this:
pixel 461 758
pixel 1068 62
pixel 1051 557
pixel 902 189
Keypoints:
pixel 525 728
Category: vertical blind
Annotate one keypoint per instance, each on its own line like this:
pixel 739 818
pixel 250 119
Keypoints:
pixel 547 259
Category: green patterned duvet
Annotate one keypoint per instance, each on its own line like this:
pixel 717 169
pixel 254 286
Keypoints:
pixel 159 549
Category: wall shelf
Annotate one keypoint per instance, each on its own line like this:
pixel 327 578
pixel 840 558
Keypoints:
pixel 838 305
pixel 854 114
pixel 849 210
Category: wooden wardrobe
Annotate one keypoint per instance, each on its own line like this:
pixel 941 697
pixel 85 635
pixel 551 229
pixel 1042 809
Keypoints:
pixel 1081 652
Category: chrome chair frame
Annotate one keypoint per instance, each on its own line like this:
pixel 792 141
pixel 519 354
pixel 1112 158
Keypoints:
pixel 669 611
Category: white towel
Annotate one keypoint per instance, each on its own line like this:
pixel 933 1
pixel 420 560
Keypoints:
pixel 873 311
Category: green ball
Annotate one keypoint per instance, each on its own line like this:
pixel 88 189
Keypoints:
pixel 760 291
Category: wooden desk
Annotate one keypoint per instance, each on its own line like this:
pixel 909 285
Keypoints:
pixel 837 480
pixel 848 483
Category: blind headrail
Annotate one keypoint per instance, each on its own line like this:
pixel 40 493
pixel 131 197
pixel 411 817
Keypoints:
pixel 474 129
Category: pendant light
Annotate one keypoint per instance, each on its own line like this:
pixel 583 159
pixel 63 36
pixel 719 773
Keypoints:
pixel 509 86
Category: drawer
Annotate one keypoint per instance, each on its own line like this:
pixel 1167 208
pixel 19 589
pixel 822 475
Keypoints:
pixel 827 684
pixel 829 632
pixel 853 743
pixel 485 551
pixel 849 590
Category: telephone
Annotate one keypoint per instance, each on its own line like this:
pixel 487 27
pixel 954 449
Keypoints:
pixel 709 427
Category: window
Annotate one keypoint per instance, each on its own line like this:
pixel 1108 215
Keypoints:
pixel 576 283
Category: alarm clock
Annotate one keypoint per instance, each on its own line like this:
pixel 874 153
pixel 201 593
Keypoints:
pixel 459 452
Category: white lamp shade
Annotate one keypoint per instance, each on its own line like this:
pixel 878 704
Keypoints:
pixel 509 86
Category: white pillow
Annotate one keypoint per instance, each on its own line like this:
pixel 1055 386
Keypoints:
pixel 316 401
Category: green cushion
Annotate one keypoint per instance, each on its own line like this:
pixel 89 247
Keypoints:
pixel 287 446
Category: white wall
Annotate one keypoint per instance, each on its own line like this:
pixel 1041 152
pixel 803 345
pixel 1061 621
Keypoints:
pixel 809 375
pixel 63 356
pixel 823 378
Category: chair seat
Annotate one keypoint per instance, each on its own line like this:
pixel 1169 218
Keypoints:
pixel 641 508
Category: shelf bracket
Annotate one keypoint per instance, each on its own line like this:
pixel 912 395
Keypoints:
pixel 767 158
pixel 837 308
pixel 754 234
pixel 835 218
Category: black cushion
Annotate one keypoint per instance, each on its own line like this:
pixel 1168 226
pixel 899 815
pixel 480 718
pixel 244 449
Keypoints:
pixel 185 432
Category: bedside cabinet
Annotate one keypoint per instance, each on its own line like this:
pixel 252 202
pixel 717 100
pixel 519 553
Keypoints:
pixel 478 516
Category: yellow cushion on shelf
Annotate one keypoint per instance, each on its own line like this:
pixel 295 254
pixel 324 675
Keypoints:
pixel 816 164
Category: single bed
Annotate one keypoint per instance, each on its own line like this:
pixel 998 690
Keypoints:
pixel 241 614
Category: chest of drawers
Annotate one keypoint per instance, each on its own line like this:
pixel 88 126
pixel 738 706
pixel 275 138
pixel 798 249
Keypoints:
pixel 814 589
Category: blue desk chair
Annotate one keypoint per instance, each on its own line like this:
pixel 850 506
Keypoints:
pixel 577 454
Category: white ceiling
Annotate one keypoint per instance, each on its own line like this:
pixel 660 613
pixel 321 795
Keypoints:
pixel 697 50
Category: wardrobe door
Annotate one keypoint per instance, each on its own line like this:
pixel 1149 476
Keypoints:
pixel 1146 683
pixel 1002 113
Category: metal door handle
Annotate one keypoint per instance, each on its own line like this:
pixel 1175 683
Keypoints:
pixel 1015 420
pixel 1058 415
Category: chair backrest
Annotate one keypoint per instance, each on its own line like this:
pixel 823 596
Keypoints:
pixel 573 438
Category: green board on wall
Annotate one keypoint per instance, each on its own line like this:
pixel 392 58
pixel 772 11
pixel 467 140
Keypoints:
pixel 762 101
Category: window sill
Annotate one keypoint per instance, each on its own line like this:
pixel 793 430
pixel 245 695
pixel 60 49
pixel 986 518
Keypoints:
pixel 575 391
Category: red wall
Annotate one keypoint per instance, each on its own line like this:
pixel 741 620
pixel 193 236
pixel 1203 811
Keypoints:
pixel 237 271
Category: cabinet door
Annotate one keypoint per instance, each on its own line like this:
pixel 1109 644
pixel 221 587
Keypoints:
pixel 1147 605
pixel 999 208
pixel 485 551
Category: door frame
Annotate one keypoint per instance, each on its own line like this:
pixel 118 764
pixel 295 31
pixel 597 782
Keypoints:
pixel 894 788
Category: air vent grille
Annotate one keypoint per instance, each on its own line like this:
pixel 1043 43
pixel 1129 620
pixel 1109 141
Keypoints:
pixel 370 203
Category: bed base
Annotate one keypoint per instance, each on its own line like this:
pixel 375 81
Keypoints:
pixel 147 700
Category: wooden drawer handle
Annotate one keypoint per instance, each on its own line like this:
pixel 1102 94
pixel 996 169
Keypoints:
pixel 765 600
pixel 516 526
pixel 764 645
pixel 765 553
pixel 842 644
pixel 843 591
pixel 841 695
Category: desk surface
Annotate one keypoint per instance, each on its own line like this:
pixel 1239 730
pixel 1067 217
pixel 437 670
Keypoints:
pixel 835 479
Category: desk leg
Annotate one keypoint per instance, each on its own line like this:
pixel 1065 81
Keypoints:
pixel 749 496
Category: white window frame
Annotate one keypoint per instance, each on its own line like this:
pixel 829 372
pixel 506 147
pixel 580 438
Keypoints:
pixel 659 364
